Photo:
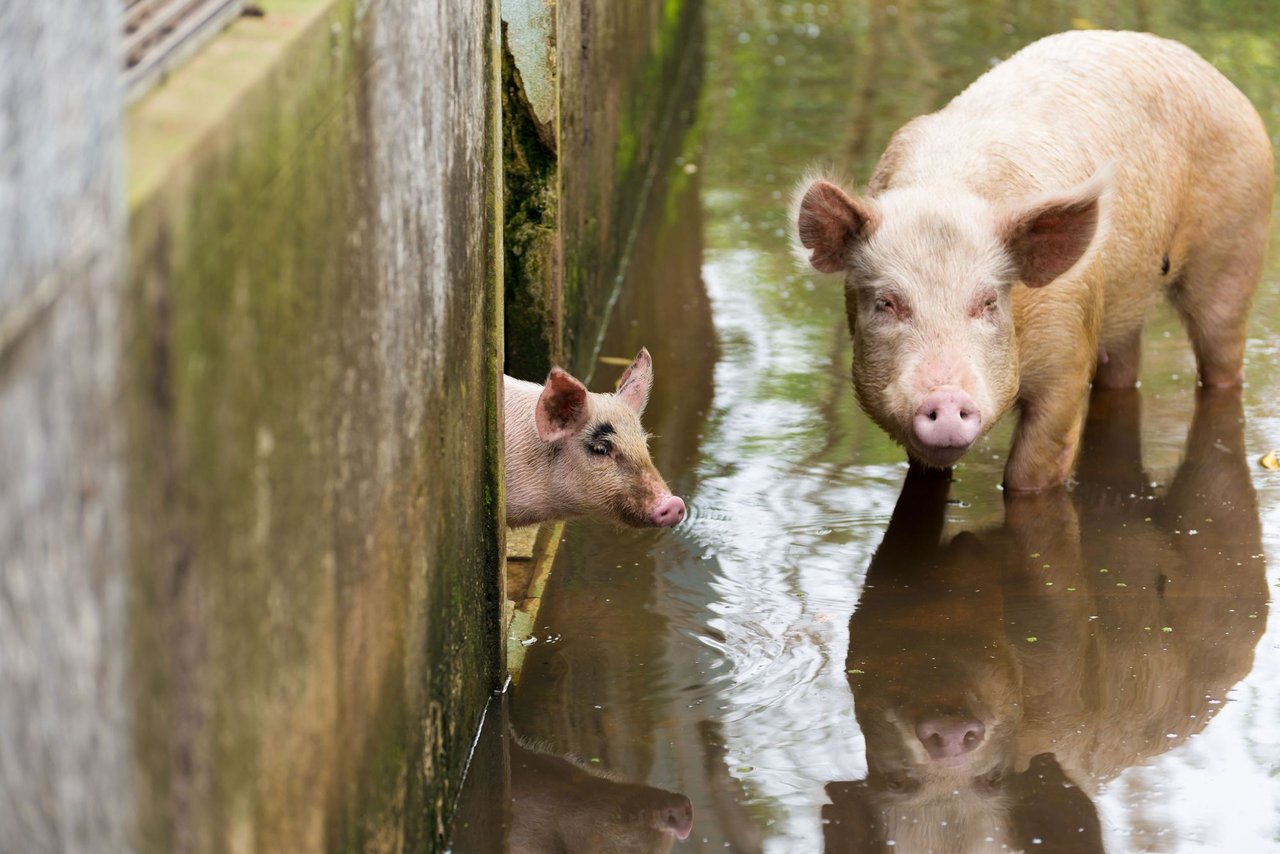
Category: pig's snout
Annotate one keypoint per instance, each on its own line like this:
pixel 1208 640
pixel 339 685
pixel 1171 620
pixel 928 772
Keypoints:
pixel 668 511
pixel 947 738
pixel 677 817
pixel 946 423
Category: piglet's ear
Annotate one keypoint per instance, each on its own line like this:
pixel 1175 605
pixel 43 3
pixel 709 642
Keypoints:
pixel 562 407
pixel 829 223
pixel 637 379
pixel 1046 236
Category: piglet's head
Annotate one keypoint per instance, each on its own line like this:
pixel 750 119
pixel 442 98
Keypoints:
pixel 930 274
pixel 601 464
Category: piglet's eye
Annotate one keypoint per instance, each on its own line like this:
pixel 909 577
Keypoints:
pixel 600 449
pixel 885 304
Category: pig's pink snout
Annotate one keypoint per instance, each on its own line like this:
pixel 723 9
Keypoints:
pixel 668 511
pixel 947 420
pixel 947 739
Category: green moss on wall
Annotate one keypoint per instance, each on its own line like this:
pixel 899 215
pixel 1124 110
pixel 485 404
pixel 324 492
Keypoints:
pixel 572 202
pixel 532 300
pixel 314 536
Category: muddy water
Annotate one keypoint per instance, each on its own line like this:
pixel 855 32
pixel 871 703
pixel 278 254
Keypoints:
pixel 772 657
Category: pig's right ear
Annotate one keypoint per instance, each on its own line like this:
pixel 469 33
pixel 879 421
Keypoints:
pixel 562 407
pixel 829 223
pixel 634 385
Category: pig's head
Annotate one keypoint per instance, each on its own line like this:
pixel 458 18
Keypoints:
pixel 929 276
pixel 600 451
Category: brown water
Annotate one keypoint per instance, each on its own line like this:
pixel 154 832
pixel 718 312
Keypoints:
pixel 770 657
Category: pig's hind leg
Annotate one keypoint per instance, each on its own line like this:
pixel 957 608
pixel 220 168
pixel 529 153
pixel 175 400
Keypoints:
pixel 1227 233
pixel 1213 295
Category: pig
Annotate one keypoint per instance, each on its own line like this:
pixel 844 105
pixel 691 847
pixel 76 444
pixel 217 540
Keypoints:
pixel 1009 246
pixel 1001 679
pixel 570 452
pixel 559 807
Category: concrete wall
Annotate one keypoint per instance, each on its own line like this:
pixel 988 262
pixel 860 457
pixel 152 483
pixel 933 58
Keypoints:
pixel 313 358
pixel 589 92
pixel 250 497
pixel 64 722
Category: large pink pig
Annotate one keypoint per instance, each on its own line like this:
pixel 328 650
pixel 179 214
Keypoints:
pixel 1010 245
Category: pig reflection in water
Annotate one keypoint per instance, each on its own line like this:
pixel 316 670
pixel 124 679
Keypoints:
pixel 1002 677
pixel 558 807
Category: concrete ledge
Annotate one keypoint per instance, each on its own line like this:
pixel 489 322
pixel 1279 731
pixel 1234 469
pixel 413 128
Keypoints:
pixel 167 127
pixel 530 553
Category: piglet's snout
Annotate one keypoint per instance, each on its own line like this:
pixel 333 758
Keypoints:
pixel 667 511
pixel 677 817
pixel 946 418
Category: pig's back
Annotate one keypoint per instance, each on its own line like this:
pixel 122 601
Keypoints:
pixel 1047 117
pixel 1186 143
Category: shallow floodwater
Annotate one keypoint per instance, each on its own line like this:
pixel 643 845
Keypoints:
pixel 781 657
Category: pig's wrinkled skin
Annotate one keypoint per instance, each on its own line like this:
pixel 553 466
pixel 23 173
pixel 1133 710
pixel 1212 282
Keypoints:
pixel 558 807
pixel 1010 245
pixel 570 452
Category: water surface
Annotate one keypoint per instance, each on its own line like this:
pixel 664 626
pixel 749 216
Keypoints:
pixel 773 657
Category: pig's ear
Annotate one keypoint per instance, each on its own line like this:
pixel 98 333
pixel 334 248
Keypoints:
pixel 829 223
pixel 637 379
pixel 562 407
pixel 1046 236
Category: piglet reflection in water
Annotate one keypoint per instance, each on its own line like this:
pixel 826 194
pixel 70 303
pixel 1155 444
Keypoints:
pixel 1002 677
pixel 560 807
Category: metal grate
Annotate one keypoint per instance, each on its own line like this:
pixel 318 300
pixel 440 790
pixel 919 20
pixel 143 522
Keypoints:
pixel 159 34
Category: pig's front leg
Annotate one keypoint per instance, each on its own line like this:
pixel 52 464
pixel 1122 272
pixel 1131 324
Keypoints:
pixel 1048 433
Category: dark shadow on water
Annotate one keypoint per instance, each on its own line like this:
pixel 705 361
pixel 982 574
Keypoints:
pixel 1002 676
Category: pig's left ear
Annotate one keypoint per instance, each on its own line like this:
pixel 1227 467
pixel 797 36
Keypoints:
pixel 1046 236
pixel 562 407
pixel 637 379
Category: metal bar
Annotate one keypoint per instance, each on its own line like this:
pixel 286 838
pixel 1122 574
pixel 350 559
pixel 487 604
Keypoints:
pixel 171 33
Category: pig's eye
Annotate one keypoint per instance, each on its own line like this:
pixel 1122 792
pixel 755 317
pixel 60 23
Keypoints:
pixel 892 305
pixel 599 443
pixel 901 782
pixel 985 306
pixel 991 780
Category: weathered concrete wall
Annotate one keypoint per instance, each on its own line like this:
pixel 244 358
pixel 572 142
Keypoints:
pixel 249 488
pixel 581 165
pixel 312 363
pixel 64 725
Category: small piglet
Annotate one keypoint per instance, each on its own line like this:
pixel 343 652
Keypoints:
pixel 570 452
pixel 1010 245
